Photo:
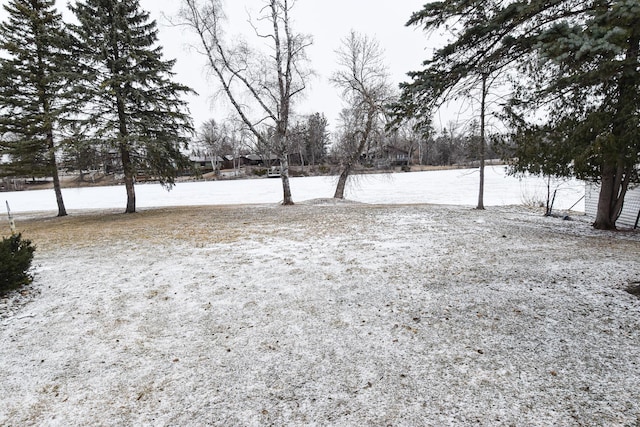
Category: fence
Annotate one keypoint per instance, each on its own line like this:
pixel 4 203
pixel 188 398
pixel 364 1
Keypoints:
pixel 630 211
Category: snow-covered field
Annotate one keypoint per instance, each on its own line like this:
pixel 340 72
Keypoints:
pixel 457 187
pixel 322 314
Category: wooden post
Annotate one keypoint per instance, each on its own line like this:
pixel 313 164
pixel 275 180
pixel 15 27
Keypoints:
pixel 12 223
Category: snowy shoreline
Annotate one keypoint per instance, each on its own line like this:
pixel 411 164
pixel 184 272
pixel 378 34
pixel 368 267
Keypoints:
pixel 451 187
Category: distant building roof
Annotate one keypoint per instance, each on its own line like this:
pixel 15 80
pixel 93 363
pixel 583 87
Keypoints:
pixel 204 159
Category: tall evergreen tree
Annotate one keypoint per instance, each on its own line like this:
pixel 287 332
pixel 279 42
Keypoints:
pixel 588 85
pixel 579 107
pixel 132 101
pixel 317 138
pixel 35 94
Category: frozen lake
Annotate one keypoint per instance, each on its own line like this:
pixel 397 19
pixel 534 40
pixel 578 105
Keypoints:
pixel 451 187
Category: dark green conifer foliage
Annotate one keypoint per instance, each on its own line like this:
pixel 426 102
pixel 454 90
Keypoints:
pixel 131 101
pixel 588 79
pixel 35 94
pixel 576 101
pixel 16 255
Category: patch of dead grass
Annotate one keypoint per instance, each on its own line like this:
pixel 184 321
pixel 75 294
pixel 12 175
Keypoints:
pixel 195 225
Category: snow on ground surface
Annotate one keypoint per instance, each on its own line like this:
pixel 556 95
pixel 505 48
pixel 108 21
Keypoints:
pixel 322 313
pixel 457 187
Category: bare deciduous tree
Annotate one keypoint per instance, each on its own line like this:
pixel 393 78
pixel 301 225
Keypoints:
pixel 270 81
pixel 210 142
pixel 412 136
pixel 363 79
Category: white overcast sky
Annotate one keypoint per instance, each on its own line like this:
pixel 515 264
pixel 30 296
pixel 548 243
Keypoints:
pixel 327 21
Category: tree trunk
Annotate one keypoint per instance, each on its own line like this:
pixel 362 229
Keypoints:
pixel 481 187
pixel 346 170
pixel 125 154
pixel 287 200
pixel 614 186
pixel 128 179
pixel 482 141
pixel 57 188
pixel 342 182
pixel 131 194
pixel 604 218
pixel 549 208
pixel 615 172
pixel 62 211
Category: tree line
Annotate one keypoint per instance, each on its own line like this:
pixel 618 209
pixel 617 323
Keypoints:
pixel 561 77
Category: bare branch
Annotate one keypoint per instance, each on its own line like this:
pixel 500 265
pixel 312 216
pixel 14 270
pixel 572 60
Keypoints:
pixel 270 84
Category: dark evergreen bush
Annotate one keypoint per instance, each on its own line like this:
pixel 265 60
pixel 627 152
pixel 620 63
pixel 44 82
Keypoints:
pixel 16 255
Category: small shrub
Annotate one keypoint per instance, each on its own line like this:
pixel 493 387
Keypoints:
pixel 16 256
pixel 260 172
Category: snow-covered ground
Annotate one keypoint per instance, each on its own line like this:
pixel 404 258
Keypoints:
pixel 458 187
pixel 323 314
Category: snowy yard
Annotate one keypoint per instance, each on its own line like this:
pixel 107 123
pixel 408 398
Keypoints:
pixel 322 314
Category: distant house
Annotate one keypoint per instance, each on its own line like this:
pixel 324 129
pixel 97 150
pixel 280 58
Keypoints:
pixel 397 156
pixel 258 160
pixel 113 162
pixel 200 162
pixel 630 216
pixel 12 184
pixel 209 163
pixel 228 162
pixel 250 160
pixel 387 156
pixel 206 163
